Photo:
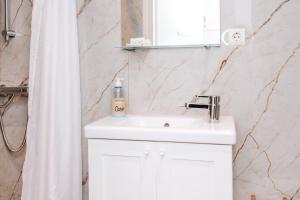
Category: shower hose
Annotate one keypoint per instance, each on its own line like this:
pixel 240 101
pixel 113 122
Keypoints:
pixel 4 107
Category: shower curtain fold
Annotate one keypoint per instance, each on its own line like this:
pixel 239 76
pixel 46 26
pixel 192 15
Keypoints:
pixel 52 168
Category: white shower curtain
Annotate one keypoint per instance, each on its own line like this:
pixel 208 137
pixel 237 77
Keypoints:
pixel 52 169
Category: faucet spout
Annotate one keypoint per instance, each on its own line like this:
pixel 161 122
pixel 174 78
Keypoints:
pixel 195 105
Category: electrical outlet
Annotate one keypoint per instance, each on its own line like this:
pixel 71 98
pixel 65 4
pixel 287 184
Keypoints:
pixel 234 37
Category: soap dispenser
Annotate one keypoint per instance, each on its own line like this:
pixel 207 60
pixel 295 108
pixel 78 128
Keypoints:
pixel 118 100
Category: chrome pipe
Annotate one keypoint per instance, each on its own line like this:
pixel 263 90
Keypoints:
pixel 6 15
pixel 7 33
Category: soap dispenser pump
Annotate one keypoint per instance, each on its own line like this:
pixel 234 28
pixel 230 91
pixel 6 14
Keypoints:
pixel 118 100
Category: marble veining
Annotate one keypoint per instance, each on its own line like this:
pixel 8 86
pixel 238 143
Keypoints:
pixel 272 83
pixel 224 61
pixel 83 6
pixel 107 87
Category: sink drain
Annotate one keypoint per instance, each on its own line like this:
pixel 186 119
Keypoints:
pixel 166 125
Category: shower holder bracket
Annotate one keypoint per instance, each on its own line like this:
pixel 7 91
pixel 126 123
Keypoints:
pixel 9 34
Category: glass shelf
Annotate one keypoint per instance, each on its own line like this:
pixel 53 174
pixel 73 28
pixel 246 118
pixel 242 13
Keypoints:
pixel 133 48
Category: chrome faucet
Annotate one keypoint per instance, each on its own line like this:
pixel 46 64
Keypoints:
pixel 213 106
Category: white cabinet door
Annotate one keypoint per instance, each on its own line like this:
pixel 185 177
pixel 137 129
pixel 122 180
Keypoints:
pixel 132 170
pixel 121 170
pixel 195 171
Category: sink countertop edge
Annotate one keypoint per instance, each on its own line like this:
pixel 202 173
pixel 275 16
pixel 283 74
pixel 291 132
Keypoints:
pixel 216 136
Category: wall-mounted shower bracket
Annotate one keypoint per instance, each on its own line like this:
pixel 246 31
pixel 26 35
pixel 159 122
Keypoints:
pixel 7 33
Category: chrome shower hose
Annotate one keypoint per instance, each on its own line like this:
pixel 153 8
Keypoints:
pixel 4 108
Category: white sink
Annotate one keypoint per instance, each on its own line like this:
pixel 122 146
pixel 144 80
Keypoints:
pixel 162 128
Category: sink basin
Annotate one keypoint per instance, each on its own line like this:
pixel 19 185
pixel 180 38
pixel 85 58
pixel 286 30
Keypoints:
pixel 164 128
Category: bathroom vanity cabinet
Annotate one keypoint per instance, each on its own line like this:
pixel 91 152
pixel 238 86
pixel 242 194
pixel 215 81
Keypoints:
pixel 138 170
pixel 140 158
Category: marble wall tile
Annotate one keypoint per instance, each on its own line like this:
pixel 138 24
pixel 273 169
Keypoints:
pixel 100 61
pixel 258 83
pixel 14 60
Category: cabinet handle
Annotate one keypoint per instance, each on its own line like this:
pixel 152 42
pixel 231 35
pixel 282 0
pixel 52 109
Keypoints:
pixel 146 153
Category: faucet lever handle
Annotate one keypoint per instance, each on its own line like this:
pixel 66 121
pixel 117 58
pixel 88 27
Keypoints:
pixel 207 96
pixel 201 96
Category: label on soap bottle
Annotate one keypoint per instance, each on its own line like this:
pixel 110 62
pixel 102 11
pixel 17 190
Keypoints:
pixel 118 107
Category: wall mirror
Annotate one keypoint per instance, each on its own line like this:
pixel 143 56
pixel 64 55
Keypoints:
pixel 170 23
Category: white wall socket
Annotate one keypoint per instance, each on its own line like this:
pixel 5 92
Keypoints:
pixel 234 36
